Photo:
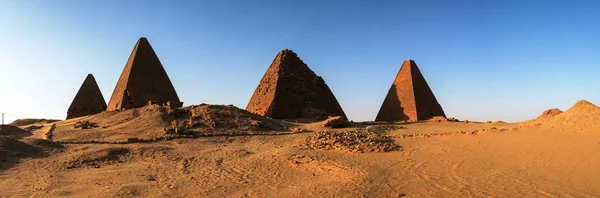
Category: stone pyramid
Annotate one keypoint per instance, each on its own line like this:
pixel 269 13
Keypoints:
pixel 409 98
pixel 291 90
pixel 143 81
pixel 88 101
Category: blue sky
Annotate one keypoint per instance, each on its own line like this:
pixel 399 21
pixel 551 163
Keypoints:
pixel 484 60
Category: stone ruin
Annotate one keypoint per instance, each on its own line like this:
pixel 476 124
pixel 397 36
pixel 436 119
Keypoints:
pixel 291 90
pixel 143 81
pixel 409 97
pixel 88 101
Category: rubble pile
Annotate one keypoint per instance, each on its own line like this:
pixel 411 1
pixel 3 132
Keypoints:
pixel 353 141
pixel 85 125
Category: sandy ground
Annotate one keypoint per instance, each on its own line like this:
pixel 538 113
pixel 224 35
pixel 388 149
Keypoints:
pixel 522 162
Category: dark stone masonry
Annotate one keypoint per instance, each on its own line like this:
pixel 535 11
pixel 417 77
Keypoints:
pixel 291 90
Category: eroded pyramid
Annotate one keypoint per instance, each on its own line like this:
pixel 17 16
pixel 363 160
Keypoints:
pixel 291 90
pixel 409 98
pixel 143 81
pixel 88 101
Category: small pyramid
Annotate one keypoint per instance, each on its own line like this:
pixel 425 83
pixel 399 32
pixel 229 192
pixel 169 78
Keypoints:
pixel 88 101
pixel 409 98
pixel 291 90
pixel 550 113
pixel 143 81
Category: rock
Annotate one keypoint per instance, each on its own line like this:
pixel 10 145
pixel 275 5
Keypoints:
pixel 336 122
pixel 550 113
pixel 358 140
pixel 85 125
pixel 150 178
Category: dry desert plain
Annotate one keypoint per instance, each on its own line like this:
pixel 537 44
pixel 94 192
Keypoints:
pixel 222 151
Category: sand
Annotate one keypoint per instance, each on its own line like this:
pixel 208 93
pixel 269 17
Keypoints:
pixel 445 159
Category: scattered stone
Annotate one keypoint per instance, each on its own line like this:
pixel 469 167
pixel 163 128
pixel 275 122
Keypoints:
pixel 452 119
pixel 150 178
pixel 299 159
pixel 354 141
pixel 33 127
pixel 300 130
pixel 85 125
pixel 49 134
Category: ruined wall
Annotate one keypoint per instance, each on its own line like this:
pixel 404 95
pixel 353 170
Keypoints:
pixel 88 100
pixel 409 98
pixel 291 90
pixel 143 80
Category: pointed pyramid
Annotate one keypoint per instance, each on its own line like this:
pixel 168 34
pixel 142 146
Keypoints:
pixel 88 101
pixel 409 98
pixel 291 90
pixel 143 81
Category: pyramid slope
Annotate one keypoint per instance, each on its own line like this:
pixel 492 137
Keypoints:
pixel 409 97
pixel 291 90
pixel 143 80
pixel 88 100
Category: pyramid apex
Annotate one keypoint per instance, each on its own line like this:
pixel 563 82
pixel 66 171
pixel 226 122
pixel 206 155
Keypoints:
pixel 89 77
pixel 286 50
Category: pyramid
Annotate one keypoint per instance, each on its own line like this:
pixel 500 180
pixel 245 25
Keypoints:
pixel 143 81
pixel 291 90
pixel 88 101
pixel 409 98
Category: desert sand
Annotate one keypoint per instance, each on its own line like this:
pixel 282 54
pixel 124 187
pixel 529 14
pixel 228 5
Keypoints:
pixel 551 156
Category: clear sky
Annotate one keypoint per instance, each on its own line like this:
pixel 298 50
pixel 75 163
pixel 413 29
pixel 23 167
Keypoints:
pixel 484 60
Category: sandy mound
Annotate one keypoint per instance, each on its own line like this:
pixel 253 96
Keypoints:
pixel 359 140
pixel 13 131
pixel 336 122
pixel 23 122
pixel 225 120
pixel 549 113
pixel 583 116
pixel 155 122
pixel 95 158
pixel 10 148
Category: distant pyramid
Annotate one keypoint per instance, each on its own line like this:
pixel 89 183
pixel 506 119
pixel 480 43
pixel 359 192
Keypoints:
pixel 88 101
pixel 409 98
pixel 143 80
pixel 291 90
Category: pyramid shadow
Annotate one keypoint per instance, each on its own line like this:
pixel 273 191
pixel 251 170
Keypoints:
pixel 391 109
